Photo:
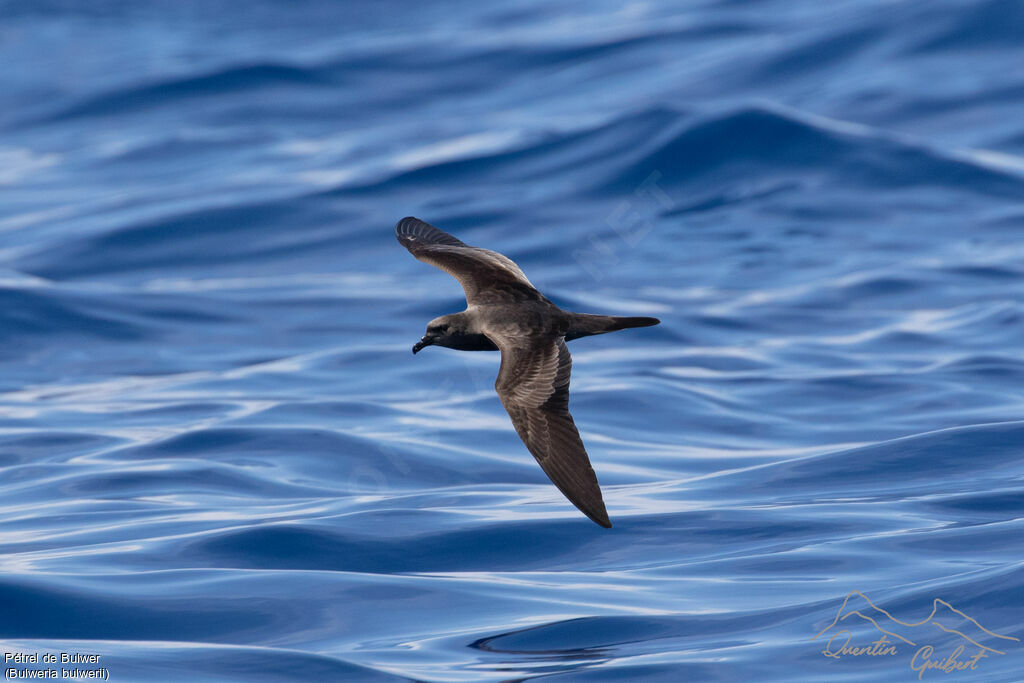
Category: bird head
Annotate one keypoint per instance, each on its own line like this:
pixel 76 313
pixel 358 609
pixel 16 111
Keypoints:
pixel 439 332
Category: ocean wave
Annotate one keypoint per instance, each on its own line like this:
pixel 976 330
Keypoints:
pixel 791 150
pixel 172 92
pixel 219 459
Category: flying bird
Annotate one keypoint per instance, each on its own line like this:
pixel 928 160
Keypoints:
pixel 506 313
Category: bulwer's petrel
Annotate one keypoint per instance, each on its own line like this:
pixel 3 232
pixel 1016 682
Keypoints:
pixel 506 312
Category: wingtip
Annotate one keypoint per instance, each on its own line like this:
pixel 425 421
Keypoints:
pixel 411 231
pixel 403 225
pixel 599 517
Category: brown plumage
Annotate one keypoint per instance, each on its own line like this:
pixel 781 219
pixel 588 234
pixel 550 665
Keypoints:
pixel 506 312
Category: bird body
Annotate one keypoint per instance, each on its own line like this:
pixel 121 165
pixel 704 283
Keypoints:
pixel 505 312
pixel 465 330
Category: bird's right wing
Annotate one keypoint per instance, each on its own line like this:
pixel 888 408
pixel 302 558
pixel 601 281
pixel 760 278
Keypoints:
pixel 486 276
pixel 533 384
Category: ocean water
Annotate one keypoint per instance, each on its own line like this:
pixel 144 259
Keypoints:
pixel 219 460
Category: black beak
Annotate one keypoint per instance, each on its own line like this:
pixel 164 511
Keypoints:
pixel 426 341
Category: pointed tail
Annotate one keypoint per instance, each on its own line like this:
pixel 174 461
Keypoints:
pixel 585 324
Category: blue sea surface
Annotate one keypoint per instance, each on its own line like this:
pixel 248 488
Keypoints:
pixel 219 460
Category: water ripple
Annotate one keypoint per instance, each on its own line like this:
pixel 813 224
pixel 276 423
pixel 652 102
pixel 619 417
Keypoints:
pixel 220 461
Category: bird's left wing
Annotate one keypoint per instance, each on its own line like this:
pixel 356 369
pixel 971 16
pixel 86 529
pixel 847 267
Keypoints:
pixel 486 276
pixel 533 384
